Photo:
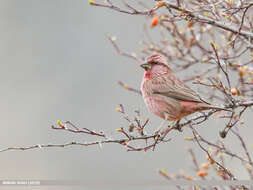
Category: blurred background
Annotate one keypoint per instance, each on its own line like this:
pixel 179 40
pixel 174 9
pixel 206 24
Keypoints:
pixel 57 64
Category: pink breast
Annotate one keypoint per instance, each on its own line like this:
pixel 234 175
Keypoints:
pixel 159 108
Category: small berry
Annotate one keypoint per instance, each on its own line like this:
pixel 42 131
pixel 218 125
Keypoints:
pixel 242 71
pixel 155 21
pixel 211 161
pixel 160 4
pixel 234 91
pixel 205 166
pixel 202 173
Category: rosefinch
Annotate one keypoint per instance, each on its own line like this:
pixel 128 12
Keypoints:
pixel 167 96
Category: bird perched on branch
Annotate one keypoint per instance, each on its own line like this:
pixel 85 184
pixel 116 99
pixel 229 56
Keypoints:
pixel 167 96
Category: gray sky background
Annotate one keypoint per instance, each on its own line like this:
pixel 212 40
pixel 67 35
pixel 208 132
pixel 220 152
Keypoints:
pixel 56 63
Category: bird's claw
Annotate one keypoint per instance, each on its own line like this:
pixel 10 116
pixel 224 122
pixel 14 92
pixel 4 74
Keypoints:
pixel 178 127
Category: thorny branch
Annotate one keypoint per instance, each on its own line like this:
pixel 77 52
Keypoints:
pixel 227 25
pixel 210 157
pixel 188 14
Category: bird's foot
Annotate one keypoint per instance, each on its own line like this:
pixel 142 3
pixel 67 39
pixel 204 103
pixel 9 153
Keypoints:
pixel 178 126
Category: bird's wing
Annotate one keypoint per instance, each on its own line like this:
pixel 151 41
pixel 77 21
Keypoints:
pixel 170 86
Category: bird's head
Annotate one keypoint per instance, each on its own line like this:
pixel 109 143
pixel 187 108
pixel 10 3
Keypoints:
pixel 155 65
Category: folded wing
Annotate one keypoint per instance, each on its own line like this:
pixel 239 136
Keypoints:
pixel 170 86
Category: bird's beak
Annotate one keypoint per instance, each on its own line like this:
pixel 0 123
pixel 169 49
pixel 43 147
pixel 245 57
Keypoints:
pixel 146 66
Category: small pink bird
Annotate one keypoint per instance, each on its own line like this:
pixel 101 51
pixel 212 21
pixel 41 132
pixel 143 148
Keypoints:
pixel 167 96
